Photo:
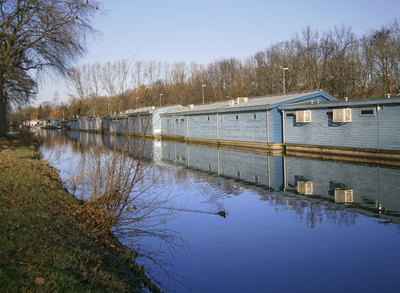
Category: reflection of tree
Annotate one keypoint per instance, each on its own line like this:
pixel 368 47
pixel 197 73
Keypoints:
pixel 131 201
pixel 152 260
pixel 311 212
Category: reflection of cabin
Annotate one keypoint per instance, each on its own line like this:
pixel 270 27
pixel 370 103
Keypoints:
pixel 344 195
pixel 249 168
pixel 243 120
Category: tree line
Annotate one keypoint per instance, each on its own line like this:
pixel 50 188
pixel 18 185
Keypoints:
pixel 336 61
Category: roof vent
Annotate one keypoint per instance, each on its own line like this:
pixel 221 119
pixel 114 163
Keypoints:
pixel 242 100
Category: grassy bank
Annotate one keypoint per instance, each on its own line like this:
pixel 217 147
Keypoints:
pixel 46 244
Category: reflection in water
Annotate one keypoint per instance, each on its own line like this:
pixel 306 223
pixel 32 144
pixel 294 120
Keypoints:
pixel 92 164
pixel 271 204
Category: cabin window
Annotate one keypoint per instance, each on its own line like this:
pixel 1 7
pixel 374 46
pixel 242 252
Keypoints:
pixel 167 120
pixel 237 117
pixel 176 120
pixel 208 118
pixel 254 116
pixel 256 179
pixel 289 114
pixel 209 168
pixel 329 113
pixel 238 174
pixel 182 119
pixel 367 112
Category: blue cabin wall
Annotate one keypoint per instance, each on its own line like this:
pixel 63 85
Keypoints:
pixel 243 126
pixel 277 113
pixel 117 124
pixel 180 125
pixel 389 132
pixel 246 123
pixel 377 131
pixel 168 125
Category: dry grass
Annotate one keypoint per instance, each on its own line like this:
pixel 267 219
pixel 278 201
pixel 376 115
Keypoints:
pixel 46 239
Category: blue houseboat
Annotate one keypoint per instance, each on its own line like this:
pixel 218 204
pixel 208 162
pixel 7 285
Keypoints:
pixel 243 122
pixel 349 127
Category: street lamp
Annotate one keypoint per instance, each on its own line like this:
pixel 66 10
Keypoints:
pixel 389 74
pixel 202 92
pixel 120 106
pixel 160 99
pixel 284 69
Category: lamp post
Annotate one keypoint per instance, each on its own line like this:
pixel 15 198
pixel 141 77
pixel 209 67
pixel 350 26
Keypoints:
pixel 120 106
pixel 284 69
pixel 160 99
pixel 389 74
pixel 202 92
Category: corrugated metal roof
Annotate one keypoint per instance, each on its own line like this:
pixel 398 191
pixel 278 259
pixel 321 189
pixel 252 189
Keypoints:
pixel 151 109
pixel 252 102
pixel 341 103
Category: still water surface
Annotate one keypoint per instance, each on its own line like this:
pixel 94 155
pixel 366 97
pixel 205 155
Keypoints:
pixel 285 229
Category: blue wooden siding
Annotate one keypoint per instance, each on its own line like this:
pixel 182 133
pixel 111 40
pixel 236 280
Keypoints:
pixel 239 126
pixel 389 130
pixel 168 125
pixel 378 130
pixel 118 124
pixel 243 126
pixel 254 121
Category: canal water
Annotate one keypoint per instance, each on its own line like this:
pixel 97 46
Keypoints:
pixel 290 224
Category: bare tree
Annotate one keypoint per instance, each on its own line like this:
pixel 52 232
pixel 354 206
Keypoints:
pixel 39 35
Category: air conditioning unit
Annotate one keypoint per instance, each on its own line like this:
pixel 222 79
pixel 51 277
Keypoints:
pixel 341 115
pixel 242 100
pixel 303 116
pixel 305 187
pixel 191 106
pixel 231 102
pixel 343 195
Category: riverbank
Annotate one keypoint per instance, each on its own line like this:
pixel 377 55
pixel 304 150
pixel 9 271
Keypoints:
pixel 45 245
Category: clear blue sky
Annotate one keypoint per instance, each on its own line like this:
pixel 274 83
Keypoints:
pixel 207 30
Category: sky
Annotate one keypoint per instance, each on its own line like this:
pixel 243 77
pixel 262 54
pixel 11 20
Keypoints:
pixel 208 30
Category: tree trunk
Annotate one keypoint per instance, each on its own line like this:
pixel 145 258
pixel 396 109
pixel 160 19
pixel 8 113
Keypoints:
pixel 3 101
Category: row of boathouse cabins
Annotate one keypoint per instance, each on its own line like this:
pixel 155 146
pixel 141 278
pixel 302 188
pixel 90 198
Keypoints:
pixel 310 123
